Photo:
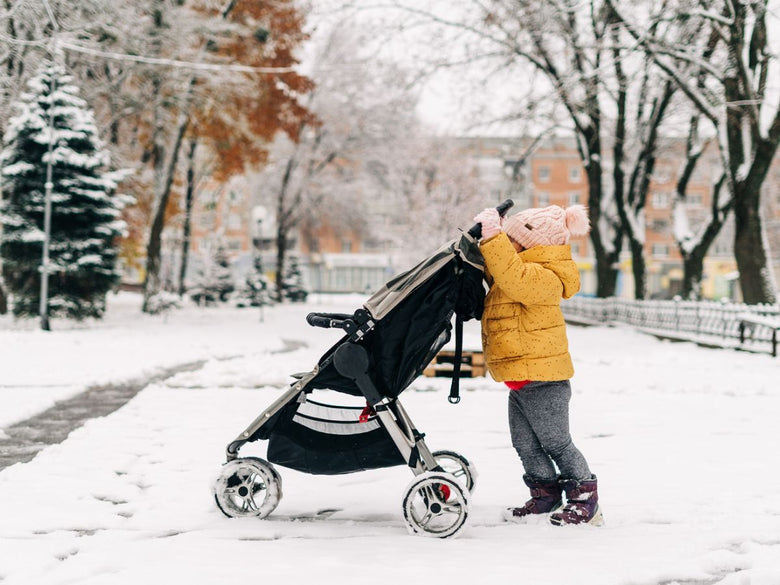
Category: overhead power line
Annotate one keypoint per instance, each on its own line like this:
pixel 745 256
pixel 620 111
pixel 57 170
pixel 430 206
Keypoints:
pixel 174 62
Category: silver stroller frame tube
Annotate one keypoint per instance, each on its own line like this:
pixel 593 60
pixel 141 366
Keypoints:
pixel 409 441
pixel 295 389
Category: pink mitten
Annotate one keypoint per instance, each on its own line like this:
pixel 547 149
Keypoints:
pixel 491 222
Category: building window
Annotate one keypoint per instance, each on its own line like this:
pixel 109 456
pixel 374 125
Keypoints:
pixel 543 174
pixel 234 221
pixel 722 248
pixel 542 199
pixel 575 198
pixel 346 246
pixel 236 197
pixel 694 199
pixel 661 200
pixel 575 174
pixel 234 245
pixel 660 226
pixel 660 250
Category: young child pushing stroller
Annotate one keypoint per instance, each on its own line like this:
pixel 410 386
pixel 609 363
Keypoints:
pixel 529 269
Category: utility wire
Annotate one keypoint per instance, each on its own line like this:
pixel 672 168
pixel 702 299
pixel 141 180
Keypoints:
pixel 174 62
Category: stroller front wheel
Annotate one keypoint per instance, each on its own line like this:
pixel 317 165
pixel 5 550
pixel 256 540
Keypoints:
pixel 249 486
pixel 435 505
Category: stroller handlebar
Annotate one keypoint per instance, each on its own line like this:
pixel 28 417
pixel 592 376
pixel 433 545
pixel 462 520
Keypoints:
pixel 347 322
pixel 326 320
pixel 476 230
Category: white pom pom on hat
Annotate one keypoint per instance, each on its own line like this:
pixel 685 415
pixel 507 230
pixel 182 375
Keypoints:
pixel 547 226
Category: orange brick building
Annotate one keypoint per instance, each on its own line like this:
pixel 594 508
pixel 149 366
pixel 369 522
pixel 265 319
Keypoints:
pixel 550 173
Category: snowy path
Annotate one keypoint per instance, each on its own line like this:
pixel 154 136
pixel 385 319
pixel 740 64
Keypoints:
pixel 683 440
pixel 23 440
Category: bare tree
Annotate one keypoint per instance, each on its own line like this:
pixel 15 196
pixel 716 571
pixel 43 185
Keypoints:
pixel 568 47
pixel 734 99
pixel 327 175
pixel 693 245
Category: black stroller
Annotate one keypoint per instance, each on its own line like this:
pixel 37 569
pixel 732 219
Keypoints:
pixel 387 344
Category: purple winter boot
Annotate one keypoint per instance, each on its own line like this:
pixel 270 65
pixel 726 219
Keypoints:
pixel 545 497
pixel 582 504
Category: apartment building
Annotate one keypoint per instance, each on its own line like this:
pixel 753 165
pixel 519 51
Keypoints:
pixel 533 175
pixel 551 173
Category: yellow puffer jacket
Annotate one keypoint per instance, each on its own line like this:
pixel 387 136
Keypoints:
pixel 523 331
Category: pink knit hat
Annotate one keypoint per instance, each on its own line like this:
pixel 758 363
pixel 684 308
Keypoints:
pixel 548 226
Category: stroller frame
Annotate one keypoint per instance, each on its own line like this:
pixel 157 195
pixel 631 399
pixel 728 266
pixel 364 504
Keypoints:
pixel 435 504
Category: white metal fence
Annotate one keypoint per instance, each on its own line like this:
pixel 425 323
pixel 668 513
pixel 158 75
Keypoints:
pixel 750 327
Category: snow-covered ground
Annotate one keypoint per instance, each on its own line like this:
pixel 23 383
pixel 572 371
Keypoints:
pixel 683 439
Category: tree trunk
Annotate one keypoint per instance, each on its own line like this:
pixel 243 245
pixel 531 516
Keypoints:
pixel 284 213
pixel 606 261
pixel 187 228
pixel 693 272
pixel 755 272
pixel 164 168
pixel 639 269
pixel 281 257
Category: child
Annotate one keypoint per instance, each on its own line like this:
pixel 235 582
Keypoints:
pixel 529 269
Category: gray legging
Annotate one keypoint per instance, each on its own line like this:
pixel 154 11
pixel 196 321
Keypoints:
pixel 539 425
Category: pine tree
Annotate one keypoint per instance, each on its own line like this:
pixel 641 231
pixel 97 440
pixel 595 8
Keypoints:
pixel 256 291
pixel 223 273
pixel 85 220
pixel 292 282
pixel 215 279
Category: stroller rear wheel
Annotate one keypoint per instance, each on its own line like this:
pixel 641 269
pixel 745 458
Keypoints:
pixel 435 505
pixel 249 486
pixel 457 465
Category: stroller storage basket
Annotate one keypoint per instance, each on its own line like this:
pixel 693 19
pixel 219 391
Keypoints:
pixel 324 439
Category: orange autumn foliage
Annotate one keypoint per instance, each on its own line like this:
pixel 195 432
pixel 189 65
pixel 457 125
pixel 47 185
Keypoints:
pixel 240 120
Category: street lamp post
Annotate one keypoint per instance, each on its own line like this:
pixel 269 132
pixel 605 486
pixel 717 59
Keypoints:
pixel 48 188
pixel 49 185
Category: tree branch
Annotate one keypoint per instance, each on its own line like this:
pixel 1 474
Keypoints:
pixel 691 92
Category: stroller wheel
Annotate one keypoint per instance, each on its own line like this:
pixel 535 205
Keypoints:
pixel 248 487
pixel 457 465
pixel 435 505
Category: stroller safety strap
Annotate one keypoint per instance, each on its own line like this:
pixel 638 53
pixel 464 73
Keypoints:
pixel 454 396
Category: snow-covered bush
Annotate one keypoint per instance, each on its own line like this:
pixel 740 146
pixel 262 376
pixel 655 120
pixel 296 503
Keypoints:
pixel 256 291
pixel 163 303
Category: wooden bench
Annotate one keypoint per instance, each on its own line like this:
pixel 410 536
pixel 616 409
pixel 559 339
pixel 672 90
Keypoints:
pixel 442 366
pixel 755 328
